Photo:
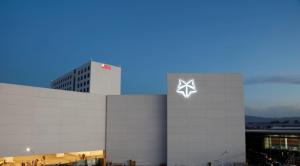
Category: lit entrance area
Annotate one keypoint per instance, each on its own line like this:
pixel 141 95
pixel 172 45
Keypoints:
pixel 277 146
pixel 282 142
pixel 90 158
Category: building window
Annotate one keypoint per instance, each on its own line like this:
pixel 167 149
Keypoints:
pixel 84 69
pixel 84 83
pixel 84 76
pixel 88 89
pixel 88 68
pixel 88 82
pixel 88 75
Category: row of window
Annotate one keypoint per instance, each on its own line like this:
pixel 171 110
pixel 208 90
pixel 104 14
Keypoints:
pixel 66 82
pixel 63 85
pixel 68 78
pixel 69 88
pixel 84 90
pixel 83 77
pixel 83 70
pixel 78 90
pixel 69 82
pixel 79 85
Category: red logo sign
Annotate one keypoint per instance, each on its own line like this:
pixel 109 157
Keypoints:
pixel 106 67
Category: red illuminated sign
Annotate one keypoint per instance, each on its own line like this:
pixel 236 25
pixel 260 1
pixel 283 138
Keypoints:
pixel 106 67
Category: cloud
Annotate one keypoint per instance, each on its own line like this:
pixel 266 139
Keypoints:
pixel 292 79
pixel 274 111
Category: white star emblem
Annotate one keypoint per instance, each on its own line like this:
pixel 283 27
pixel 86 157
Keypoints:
pixel 186 88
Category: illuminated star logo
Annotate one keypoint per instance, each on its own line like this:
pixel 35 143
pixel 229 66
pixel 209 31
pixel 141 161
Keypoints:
pixel 186 88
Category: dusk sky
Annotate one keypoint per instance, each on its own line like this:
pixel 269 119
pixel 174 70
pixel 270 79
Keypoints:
pixel 40 40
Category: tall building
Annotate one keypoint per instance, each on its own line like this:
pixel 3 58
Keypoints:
pixel 93 77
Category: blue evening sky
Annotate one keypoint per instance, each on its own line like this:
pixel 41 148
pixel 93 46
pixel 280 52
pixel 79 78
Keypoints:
pixel 39 40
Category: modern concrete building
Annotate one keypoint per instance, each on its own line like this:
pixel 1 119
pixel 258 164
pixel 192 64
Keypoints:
pixel 199 121
pixel 93 77
pixel 208 125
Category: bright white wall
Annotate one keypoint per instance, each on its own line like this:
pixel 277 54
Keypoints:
pixel 105 81
pixel 209 126
pixel 136 129
pixel 50 121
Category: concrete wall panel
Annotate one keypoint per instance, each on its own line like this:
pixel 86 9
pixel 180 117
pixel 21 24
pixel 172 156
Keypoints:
pixel 50 121
pixel 209 125
pixel 136 129
pixel 105 81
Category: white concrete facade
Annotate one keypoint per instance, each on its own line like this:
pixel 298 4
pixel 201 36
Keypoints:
pixel 137 129
pixel 105 80
pixel 208 126
pixel 50 121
